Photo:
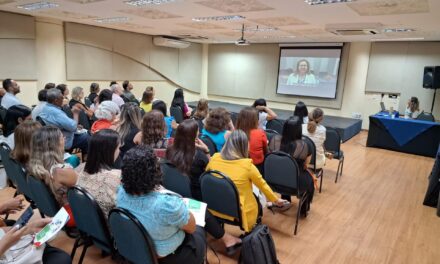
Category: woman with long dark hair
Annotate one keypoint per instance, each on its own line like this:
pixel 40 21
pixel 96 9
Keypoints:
pixel 301 112
pixel 291 143
pixel 15 115
pixel 97 175
pixel 178 100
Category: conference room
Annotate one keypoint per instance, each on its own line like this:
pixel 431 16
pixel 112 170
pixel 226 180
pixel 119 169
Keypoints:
pixel 180 131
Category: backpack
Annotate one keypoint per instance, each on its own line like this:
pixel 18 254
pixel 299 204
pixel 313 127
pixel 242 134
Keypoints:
pixel 258 247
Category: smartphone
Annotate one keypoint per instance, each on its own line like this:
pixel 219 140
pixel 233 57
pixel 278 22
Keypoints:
pixel 24 218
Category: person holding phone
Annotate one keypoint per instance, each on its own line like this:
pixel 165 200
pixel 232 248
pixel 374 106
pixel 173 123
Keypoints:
pixel 11 235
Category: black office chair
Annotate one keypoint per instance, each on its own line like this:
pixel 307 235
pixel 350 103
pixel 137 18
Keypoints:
pixel 131 238
pixel 210 144
pixel 281 172
pixel 433 191
pixel 177 113
pixel 234 117
pixel 15 173
pixel 3 112
pixel 270 134
pixel 276 125
pixel 222 196
pixel 332 144
pixel 90 221
pixel 319 173
pixel 426 116
pixel 175 181
pixel 87 101
pixel 41 121
pixel 43 197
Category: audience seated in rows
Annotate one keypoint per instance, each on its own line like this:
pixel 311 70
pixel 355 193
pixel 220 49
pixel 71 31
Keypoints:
pixel 179 101
pixel 106 114
pixel 47 164
pixel 301 112
pixel 171 124
pixel 264 113
pixel 53 115
pixel 291 143
pixel 42 101
pixel 218 126
pixel 189 159
pixel 234 162
pixel 9 98
pixel 128 127
pixel 97 175
pixel 316 132
pixel 248 122
pixel 15 115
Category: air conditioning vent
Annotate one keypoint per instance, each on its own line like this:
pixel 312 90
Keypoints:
pixel 354 32
pixel 170 42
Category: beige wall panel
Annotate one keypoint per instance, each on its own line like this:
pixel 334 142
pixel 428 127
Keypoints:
pixel 165 61
pixel 385 69
pixel 126 68
pixel 21 55
pixel 88 63
pixel 89 35
pixel 13 26
pixel 136 46
pixel 190 67
pixel 221 71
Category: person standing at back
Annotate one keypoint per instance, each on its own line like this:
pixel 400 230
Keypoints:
pixel 264 113
pixel 316 132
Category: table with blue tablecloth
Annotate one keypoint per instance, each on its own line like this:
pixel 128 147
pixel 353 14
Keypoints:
pixel 404 135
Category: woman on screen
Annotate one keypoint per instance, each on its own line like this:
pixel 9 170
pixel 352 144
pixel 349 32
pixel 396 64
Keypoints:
pixel 302 75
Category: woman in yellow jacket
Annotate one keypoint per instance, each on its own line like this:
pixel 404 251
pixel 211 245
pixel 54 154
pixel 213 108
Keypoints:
pixel 234 162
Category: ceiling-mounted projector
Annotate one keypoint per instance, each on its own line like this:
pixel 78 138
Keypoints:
pixel 241 41
pixel 171 42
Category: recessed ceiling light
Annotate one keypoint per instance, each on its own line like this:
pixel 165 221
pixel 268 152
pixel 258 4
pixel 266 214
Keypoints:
pixel 148 2
pixel 38 6
pixel 321 2
pixel 398 39
pixel 278 37
pixel 398 30
pixel 218 18
pixel 112 20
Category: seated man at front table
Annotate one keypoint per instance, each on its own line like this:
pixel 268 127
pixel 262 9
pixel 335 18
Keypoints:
pixel 52 114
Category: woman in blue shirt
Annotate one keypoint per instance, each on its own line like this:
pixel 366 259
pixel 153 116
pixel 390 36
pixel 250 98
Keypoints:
pixel 167 219
pixel 217 126
pixel 169 120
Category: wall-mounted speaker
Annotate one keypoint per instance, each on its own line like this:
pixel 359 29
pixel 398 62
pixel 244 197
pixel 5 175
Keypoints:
pixel 431 77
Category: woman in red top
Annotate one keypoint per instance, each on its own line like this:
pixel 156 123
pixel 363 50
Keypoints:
pixel 248 122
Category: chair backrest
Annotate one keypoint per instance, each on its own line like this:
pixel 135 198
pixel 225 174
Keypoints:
pixel 89 218
pixel 426 117
pixel 15 171
pixel 281 172
pixel 131 238
pixel 210 144
pixel 43 197
pixel 41 121
pixel 84 120
pixel 175 181
pixel 177 113
pixel 234 117
pixel 332 141
pixel 276 125
pixel 3 112
pixel 221 194
pixel 311 146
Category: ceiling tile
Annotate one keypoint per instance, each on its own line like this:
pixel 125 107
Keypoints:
pixel 278 21
pixel 85 1
pixel 390 7
pixel 65 14
pixel 201 25
pixel 149 13
pixel 2 2
pixel 235 6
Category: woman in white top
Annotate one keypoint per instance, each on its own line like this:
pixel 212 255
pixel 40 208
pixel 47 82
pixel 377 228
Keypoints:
pixel 314 130
pixel 264 113
pixel 412 110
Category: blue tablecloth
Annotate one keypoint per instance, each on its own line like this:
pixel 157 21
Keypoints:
pixel 404 130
